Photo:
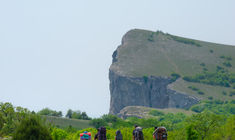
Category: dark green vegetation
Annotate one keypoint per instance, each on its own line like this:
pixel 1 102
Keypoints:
pixel 20 124
pixel 221 77
pixel 184 40
pixel 217 107
pixel 32 128
pixel 77 115
pixel 49 112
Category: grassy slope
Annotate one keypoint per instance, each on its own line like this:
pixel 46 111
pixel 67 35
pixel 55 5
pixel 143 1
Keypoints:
pixel 144 111
pixel 213 91
pixel 64 122
pixel 138 56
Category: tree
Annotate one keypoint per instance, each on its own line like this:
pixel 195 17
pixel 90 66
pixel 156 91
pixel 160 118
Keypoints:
pixel 8 116
pixel 84 116
pixel 191 133
pixel 32 128
pixel 1 122
pixel 49 112
pixel 69 114
pixel 202 124
pixel 98 123
pixel 76 115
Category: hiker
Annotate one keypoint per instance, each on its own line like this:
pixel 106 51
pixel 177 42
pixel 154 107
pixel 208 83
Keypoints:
pixel 96 135
pixel 137 133
pixel 102 133
pixel 155 133
pixel 85 136
pixel 118 135
pixel 160 133
pixel 133 133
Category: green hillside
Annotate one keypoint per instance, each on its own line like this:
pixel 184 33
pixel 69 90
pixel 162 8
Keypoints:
pixel 65 123
pixel 159 54
pixel 209 67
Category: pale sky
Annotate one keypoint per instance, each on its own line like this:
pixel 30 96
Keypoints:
pixel 57 53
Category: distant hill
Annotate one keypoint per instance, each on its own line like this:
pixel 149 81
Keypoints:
pixel 159 70
pixel 65 122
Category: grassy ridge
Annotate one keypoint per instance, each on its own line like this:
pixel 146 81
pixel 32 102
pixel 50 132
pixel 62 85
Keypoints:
pixel 65 123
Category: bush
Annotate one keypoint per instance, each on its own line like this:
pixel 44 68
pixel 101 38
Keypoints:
pixel 175 76
pixel 211 51
pixel 156 113
pixel 198 108
pixel 98 123
pixel 145 77
pixel 231 93
pixel 203 64
pixel 193 88
pixel 227 64
pixel 224 92
pixel 49 112
pixel 185 40
pixel 32 128
pixel 210 98
pixel 58 134
pixel 201 92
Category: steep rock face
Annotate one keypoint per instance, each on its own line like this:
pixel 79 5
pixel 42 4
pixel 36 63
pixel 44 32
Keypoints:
pixel 145 91
pixel 146 53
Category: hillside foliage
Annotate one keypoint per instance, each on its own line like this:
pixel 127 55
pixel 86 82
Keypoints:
pixel 215 121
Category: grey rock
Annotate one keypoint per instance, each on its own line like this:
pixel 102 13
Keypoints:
pixel 145 91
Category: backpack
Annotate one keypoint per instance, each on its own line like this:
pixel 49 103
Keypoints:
pixel 118 135
pixel 85 136
pixel 102 133
pixel 139 134
pixel 161 133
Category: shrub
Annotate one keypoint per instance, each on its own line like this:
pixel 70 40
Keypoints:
pixel 203 64
pixel 184 40
pixel 228 58
pixel 59 134
pixel 98 123
pixel 193 88
pixel 32 128
pixel 198 108
pixel 151 37
pixel 205 69
pixel 231 93
pixel 211 51
pixel 49 112
pixel 201 92
pixel 222 56
pixel 145 77
pixel 175 76
pixel 227 64
pixel 210 98
pixel 224 92
pixel 156 113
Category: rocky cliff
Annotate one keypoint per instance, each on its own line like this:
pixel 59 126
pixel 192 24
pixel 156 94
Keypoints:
pixel 145 91
pixel 140 74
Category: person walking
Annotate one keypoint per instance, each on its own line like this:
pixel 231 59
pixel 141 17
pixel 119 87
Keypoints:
pixel 102 133
pixel 137 133
pixel 118 135
pixel 97 134
pixel 155 133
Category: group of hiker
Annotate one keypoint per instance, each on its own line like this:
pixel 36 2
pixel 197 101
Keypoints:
pixel 160 133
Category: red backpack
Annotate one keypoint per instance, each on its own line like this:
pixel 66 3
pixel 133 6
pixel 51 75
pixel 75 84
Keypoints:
pixel 161 133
